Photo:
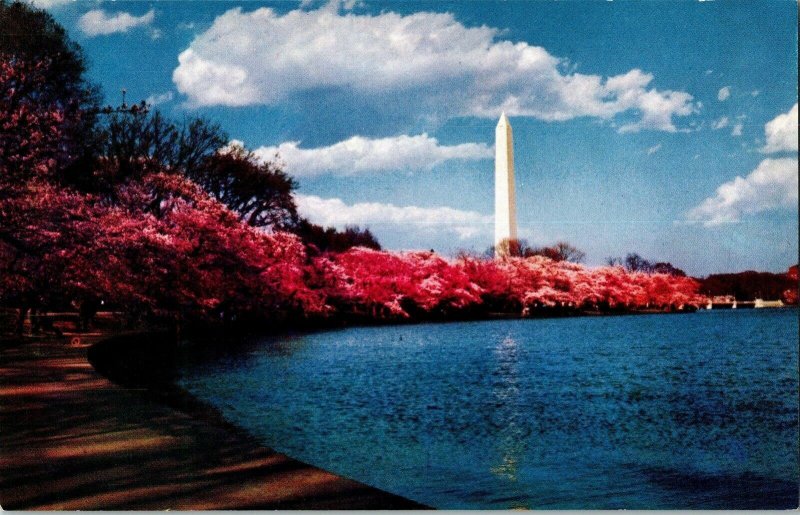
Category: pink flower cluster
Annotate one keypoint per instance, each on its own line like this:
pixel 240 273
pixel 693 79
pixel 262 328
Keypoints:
pixel 384 284
pixel 164 247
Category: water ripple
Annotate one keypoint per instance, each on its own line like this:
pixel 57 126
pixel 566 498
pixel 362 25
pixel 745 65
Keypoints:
pixel 694 411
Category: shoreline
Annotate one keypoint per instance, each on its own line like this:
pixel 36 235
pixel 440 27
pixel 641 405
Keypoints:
pixel 101 425
pixel 74 439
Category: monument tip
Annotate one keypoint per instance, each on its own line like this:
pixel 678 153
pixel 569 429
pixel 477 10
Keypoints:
pixel 503 119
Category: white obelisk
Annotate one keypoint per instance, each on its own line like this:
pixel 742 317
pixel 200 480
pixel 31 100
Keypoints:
pixel 505 205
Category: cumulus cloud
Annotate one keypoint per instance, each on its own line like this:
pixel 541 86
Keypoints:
pixel 426 60
pixel 332 5
pixel 737 129
pixel 358 154
pixel 721 123
pixel 48 4
pixel 652 150
pixel 334 212
pixel 772 185
pixel 724 94
pixel 159 98
pixel 99 23
pixel 781 132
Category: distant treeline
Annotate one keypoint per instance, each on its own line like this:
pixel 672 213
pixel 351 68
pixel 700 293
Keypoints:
pixel 751 285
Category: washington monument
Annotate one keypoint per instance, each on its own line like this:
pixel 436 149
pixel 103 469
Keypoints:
pixel 505 205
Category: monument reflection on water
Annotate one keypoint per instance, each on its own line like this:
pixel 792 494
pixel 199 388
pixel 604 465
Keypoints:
pixel 658 411
pixel 512 438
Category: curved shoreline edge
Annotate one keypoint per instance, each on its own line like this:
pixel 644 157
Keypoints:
pixel 101 427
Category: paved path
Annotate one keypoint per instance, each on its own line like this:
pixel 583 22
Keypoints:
pixel 70 439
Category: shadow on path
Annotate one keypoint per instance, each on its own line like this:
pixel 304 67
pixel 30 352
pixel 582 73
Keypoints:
pixel 71 439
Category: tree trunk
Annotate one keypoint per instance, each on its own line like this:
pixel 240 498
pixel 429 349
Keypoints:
pixel 23 312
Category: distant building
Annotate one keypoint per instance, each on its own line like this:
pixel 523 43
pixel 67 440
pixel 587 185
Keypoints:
pixel 761 303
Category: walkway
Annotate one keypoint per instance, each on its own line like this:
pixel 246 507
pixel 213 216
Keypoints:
pixel 72 440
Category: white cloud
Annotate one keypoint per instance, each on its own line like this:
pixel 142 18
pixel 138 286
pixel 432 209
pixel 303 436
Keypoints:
pixel 652 150
pixel 737 129
pixel 334 212
pixel 772 185
pixel 98 23
pixel 426 60
pixel 721 123
pixel 332 5
pixel 724 94
pixel 49 4
pixel 159 98
pixel 359 154
pixel 781 132
pixel 755 93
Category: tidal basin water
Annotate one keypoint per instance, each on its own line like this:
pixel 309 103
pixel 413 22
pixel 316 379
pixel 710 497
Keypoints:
pixel 656 411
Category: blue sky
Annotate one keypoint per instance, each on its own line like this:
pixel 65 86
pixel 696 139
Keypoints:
pixel 667 128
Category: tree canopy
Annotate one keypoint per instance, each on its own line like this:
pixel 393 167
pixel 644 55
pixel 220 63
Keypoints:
pixel 260 192
pixel 635 263
pixel 332 240
pixel 751 285
pixel 561 251
pixel 33 35
pixel 164 220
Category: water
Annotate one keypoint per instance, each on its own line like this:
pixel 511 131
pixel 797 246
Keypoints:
pixel 663 411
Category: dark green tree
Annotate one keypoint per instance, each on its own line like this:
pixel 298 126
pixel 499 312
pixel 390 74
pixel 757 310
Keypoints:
pixel 332 240
pixel 668 268
pixel 561 251
pixel 260 192
pixel 32 35
pixel 633 262
pixel 132 140
pixel 636 263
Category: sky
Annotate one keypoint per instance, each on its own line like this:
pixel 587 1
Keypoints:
pixel 666 128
